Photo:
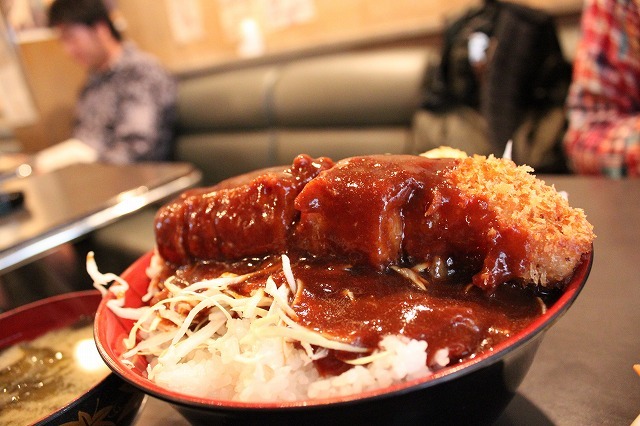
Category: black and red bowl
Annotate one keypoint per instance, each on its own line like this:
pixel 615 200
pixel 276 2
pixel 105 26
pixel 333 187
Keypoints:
pixel 114 398
pixel 475 391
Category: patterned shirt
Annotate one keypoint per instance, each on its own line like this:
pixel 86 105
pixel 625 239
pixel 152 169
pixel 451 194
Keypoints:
pixel 127 113
pixel 604 98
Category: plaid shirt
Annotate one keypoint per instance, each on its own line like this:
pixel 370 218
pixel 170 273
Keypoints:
pixel 127 113
pixel 604 98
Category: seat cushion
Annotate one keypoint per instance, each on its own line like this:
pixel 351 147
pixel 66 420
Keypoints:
pixel 225 100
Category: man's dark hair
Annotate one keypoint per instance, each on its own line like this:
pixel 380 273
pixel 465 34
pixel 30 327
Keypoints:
pixel 84 12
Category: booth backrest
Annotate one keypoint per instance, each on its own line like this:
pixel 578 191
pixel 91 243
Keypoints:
pixel 337 105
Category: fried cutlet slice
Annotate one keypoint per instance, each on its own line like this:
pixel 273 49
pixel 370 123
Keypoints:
pixel 554 235
pixel 248 215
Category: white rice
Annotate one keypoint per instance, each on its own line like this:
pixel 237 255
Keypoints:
pixel 277 373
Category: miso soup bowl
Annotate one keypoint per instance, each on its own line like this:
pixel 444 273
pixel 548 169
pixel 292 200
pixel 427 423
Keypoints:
pixel 112 399
pixel 475 391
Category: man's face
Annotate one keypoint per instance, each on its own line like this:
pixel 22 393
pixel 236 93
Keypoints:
pixel 84 44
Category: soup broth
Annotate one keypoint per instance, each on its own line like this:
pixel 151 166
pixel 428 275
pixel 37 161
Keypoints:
pixel 43 375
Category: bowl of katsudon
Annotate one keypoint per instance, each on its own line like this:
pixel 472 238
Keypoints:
pixel 386 288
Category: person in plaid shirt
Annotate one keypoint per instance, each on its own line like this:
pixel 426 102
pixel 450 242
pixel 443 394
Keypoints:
pixel 604 98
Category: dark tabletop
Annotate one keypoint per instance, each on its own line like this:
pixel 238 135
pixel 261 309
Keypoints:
pixel 67 203
pixel 583 372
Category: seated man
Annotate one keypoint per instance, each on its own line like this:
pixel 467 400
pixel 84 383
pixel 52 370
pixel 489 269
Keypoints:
pixel 126 109
pixel 125 113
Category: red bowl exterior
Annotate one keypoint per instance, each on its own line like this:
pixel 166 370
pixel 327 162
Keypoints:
pixel 475 391
pixel 113 398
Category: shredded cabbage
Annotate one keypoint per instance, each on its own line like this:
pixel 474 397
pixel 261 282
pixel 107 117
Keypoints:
pixel 171 334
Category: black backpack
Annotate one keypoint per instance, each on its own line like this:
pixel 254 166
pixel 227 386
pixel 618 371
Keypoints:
pixel 525 74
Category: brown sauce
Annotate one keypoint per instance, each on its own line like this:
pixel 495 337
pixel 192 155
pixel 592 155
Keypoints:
pixel 361 305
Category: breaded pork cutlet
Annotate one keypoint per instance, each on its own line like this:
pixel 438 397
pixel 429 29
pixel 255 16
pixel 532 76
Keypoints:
pixel 555 235
pixel 481 218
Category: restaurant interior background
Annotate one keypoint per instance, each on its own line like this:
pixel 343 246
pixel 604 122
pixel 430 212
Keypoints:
pixel 585 360
pixel 192 35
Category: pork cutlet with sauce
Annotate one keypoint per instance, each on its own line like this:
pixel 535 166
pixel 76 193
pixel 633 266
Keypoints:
pixel 462 253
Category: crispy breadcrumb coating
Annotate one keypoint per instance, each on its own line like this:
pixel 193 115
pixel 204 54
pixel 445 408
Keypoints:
pixel 557 234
